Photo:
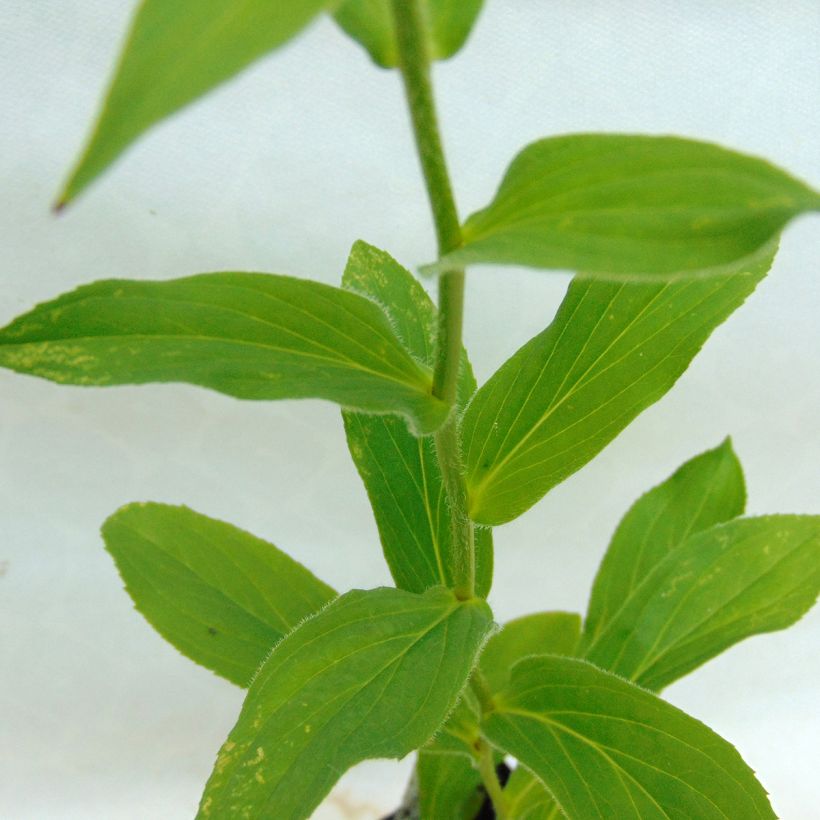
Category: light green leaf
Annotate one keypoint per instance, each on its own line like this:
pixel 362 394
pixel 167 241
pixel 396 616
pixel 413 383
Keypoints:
pixel 372 675
pixel 606 748
pixel 250 335
pixel 543 633
pixel 721 585
pixel 709 489
pixel 175 52
pixel 371 23
pixel 620 206
pixel 612 350
pixel 401 472
pixel 449 786
pixel 220 595
pixel 528 799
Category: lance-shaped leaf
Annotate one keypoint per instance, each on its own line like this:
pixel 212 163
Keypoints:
pixel 618 206
pixel 709 489
pixel 401 472
pixel 612 350
pixel 175 52
pixel 543 633
pixel 220 595
pixel 731 581
pixel 372 675
pixel 606 748
pixel 371 23
pixel 250 335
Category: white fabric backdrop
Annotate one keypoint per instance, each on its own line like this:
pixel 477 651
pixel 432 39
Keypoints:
pixel 281 170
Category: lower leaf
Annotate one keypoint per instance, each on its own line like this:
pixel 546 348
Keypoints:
pixel 372 675
pixel 607 748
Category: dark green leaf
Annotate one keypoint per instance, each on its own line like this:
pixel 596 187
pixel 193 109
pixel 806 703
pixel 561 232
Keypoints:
pixel 250 335
pixel 543 633
pixel 175 52
pixel 401 472
pixel 612 350
pixel 371 23
pixel 372 675
pixel 220 595
pixel 606 748
pixel 707 490
pixel 619 206
pixel 721 585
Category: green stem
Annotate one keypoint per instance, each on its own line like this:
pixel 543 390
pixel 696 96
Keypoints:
pixel 415 70
pixel 489 776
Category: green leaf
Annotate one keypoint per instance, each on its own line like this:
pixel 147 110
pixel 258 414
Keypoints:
pixel 372 675
pixel 709 489
pixel 543 633
pixel 221 596
pixel 401 472
pixel 527 799
pixel 176 52
pixel 721 585
pixel 619 206
pixel 371 23
pixel 449 786
pixel 606 748
pixel 612 350
pixel 250 335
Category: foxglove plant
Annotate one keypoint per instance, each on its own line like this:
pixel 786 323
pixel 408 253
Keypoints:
pixel 667 237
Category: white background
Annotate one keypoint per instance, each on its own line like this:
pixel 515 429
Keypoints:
pixel 280 171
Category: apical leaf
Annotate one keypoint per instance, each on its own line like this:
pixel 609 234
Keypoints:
pixel 401 472
pixel 220 595
pixel 250 335
pixel 747 576
pixel 372 675
pixel 606 748
pixel 620 206
pixel 528 799
pixel 709 489
pixel 371 23
pixel 543 633
pixel 612 350
pixel 175 52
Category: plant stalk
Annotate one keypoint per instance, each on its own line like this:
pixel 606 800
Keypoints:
pixel 489 776
pixel 414 63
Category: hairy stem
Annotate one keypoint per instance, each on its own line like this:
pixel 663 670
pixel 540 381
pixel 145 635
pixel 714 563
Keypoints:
pixel 489 776
pixel 415 70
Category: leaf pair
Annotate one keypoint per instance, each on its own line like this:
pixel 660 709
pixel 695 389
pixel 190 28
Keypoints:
pixel 683 579
pixel 176 52
pixel 334 680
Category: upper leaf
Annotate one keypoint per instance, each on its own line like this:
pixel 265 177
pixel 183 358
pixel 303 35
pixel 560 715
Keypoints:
pixel 401 472
pixel 372 675
pixel 618 206
pixel 606 748
pixel 721 585
pixel 175 52
pixel 542 633
pixel 220 595
pixel 709 489
pixel 250 335
pixel 371 23
pixel 612 350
